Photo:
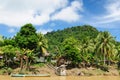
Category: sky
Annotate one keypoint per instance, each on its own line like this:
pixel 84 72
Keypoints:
pixel 52 15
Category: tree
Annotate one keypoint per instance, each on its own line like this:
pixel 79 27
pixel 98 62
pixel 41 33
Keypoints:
pixel 9 41
pixel 105 46
pixel 25 56
pixel 9 52
pixel 87 49
pixel 27 37
pixel 55 38
pixel 118 51
pixel 1 44
pixel 118 54
pixel 42 44
pixel 71 50
pixel 30 58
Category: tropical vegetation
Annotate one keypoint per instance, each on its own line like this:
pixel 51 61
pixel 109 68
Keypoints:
pixel 82 46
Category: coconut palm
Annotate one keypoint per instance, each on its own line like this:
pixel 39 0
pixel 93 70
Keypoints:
pixel 86 49
pixel 25 56
pixel 30 56
pixel 42 44
pixel 118 54
pixel 105 46
pixel 19 57
pixel 87 46
pixel 1 43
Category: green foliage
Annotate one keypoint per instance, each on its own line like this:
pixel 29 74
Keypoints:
pixel 105 46
pixel 71 49
pixel 27 37
pixel 87 48
pixel 30 55
pixel 6 70
pixel 118 54
pixel 9 41
pixel 9 52
pixel 1 63
pixel 23 46
pixel 92 45
pixel 1 40
pixel 80 44
pixel 42 44
pixel 78 32
pixel 39 64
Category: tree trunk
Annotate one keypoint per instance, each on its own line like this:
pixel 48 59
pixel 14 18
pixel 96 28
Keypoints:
pixel 109 62
pixel 26 61
pixel 21 63
pixel 104 59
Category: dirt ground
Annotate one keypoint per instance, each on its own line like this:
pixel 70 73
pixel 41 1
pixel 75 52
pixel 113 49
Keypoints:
pixel 71 72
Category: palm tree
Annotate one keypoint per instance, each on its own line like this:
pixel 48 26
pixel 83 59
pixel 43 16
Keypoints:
pixel 118 54
pixel 20 57
pixel 105 46
pixel 1 43
pixel 1 57
pixel 86 49
pixel 30 56
pixel 25 56
pixel 87 46
pixel 42 44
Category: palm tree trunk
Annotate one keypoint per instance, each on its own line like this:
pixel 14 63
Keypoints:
pixel 21 63
pixel 104 59
pixel 26 60
pixel 27 64
pixel 109 63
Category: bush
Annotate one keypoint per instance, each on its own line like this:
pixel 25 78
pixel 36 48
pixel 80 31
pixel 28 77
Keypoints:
pixel 6 70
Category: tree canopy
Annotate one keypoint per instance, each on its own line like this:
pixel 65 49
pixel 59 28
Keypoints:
pixel 78 32
pixel 27 37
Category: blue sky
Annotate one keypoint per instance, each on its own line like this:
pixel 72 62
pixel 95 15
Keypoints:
pixel 50 15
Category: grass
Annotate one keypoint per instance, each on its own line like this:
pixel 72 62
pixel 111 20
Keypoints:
pixel 39 65
pixel 92 72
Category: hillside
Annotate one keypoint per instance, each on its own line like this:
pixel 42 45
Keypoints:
pixel 55 38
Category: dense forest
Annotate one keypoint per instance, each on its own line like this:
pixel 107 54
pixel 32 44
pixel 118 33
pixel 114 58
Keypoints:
pixel 55 38
pixel 81 45
pixel 84 44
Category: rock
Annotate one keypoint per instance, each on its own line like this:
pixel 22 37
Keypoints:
pixel 61 70
pixel 63 73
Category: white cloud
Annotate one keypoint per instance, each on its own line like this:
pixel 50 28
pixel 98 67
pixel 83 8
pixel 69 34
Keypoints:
pixel 70 13
pixel 19 12
pixel 44 31
pixel 112 12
